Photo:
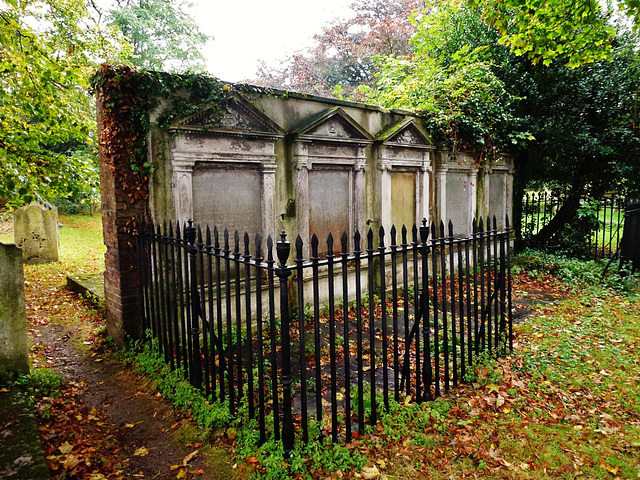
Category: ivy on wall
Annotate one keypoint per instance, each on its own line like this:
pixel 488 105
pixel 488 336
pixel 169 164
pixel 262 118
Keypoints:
pixel 127 97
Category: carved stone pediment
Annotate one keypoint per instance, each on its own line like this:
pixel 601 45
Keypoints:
pixel 239 116
pixel 408 136
pixel 408 133
pixel 335 125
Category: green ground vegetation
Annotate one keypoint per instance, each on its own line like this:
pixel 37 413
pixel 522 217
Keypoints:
pixel 81 247
pixel 564 405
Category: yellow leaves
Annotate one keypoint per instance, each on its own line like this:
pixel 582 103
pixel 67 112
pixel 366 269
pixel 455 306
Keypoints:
pixel 492 387
pixel 608 467
pixel 141 452
pixel 369 473
pixel 189 457
pixel 65 448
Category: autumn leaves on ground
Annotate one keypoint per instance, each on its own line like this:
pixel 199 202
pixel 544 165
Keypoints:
pixel 565 404
pixel 105 422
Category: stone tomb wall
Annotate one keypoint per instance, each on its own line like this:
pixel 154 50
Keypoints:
pixel 310 165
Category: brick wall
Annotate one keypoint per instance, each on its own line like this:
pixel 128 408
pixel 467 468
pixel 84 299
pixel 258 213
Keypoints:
pixel 121 278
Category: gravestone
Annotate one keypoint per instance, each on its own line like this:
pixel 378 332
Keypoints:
pixel 14 353
pixel 35 230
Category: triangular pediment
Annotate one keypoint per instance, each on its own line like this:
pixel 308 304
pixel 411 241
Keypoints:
pixel 238 116
pixel 408 133
pixel 335 125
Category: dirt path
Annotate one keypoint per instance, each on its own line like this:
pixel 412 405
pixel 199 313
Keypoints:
pixel 108 423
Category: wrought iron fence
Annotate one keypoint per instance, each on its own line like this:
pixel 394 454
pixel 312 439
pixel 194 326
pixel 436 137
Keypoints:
pixel 630 243
pixel 324 344
pixel 607 219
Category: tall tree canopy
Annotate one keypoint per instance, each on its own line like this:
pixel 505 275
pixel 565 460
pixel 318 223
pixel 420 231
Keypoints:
pixel 343 54
pixel 49 49
pixel 47 53
pixel 574 127
pixel 574 31
pixel 162 34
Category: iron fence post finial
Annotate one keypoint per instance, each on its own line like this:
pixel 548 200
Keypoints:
pixel 283 249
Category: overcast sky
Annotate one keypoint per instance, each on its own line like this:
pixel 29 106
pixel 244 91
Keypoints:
pixel 246 31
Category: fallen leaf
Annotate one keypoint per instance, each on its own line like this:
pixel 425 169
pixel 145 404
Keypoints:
pixel 141 452
pixel 65 448
pixel 370 473
pixel 492 387
pixel 71 462
pixel 189 457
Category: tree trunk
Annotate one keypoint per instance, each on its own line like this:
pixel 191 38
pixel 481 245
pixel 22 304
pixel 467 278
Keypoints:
pixel 519 184
pixel 566 214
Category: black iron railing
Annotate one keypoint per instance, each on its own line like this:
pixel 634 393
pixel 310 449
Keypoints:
pixel 605 218
pixel 630 243
pixel 323 344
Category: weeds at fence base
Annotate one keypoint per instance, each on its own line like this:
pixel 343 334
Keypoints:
pixel 144 356
pixel 539 264
pixel 418 425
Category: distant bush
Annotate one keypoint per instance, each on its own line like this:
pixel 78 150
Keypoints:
pixel 71 207
pixel 573 270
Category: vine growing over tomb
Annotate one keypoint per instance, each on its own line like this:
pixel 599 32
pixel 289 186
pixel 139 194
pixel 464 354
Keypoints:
pixel 126 97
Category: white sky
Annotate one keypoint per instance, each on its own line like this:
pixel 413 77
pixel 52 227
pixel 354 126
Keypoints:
pixel 247 31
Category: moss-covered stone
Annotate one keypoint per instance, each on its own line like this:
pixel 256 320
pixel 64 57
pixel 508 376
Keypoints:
pixel 21 454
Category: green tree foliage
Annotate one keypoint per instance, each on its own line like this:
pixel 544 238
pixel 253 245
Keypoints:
pixel 585 124
pixel 572 127
pixel 342 57
pixel 453 81
pixel 162 34
pixel 49 49
pixel 47 52
pixel 573 31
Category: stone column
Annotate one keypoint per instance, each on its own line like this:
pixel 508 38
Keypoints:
pixel 441 192
pixel 384 201
pixel 14 351
pixel 268 188
pixel 303 165
pixel 473 195
pixel 183 188
pixel 359 195
pixel 423 179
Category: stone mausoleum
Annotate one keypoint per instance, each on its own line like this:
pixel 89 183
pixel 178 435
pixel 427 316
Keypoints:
pixel 285 161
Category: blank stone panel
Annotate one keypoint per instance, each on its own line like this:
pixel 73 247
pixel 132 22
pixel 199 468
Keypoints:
pixel 497 191
pixel 228 198
pixel 328 206
pixel 403 201
pixel 458 197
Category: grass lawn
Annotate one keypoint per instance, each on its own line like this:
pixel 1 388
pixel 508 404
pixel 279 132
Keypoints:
pixel 564 405
pixel 81 248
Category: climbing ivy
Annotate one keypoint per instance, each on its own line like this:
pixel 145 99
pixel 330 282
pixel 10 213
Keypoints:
pixel 126 97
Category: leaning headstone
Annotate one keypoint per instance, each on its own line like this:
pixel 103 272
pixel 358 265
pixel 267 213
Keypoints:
pixel 35 231
pixel 14 352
